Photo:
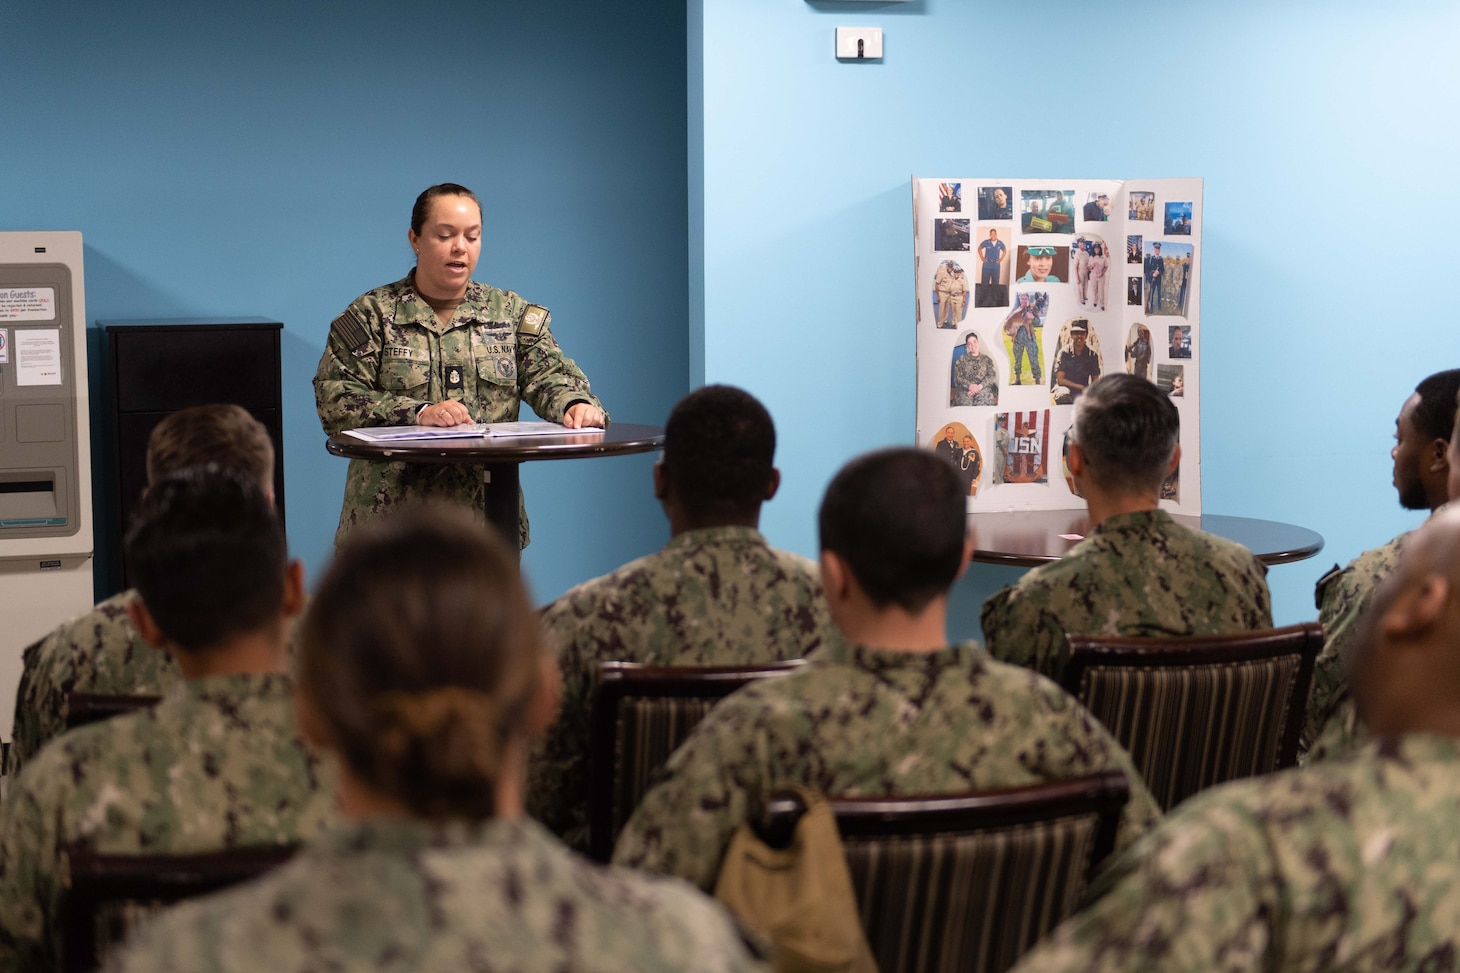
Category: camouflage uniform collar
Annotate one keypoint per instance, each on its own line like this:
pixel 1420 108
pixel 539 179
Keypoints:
pixel 715 535
pixel 411 835
pixel 840 651
pixel 228 690
pixel 1134 519
pixel 412 308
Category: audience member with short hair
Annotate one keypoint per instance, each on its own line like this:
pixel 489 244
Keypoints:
pixel 422 671
pixel 716 595
pixel 217 763
pixel 1351 863
pixel 100 651
pixel 1421 474
pixel 892 709
pixel 1137 572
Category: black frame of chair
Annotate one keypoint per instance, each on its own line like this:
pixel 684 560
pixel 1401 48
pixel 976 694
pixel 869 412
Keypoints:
pixel 1083 652
pixel 96 879
pixel 618 681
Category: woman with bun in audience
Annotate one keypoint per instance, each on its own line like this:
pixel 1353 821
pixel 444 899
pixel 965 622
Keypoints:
pixel 422 671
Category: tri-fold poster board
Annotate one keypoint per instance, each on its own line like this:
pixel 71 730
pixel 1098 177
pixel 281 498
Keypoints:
pixel 1028 290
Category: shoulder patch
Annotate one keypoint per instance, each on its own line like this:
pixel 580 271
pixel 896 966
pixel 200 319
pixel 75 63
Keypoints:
pixel 1320 589
pixel 534 320
pixel 351 331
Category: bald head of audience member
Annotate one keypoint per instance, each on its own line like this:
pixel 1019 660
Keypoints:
pixel 1422 441
pixel 717 468
pixel 214 581
pixel 221 434
pixel 1123 445
pixel 1405 664
pixel 893 540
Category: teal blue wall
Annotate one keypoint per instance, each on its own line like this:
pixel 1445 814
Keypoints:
pixel 262 158
pixel 1325 132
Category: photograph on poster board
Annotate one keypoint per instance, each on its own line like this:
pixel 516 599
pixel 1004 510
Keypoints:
pixel 1133 292
pixel 957 446
pixel 1171 488
pixel 1171 379
pixel 996 202
pixel 1133 249
pixel 1168 273
pixel 1023 330
pixel 1143 207
pixel 1065 464
pixel 1001 449
pixel 1178 219
pixel 1097 207
pixel 1042 265
pixel 1180 341
pixel 1090 266
pixel 1028 446
pixel 1138 351
pixel 992 289
pixel 950 197
pixel 950 294
pixel 950 235
pixel 1077 362
pixel 975 378
pixel 1047 210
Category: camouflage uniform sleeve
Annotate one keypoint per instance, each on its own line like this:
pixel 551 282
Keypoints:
pixel 1198 894
pixel 1019 630
pixel 684 823
pixel 990 379
pixel 30 886
pixel 37 718
pixel 557 778
pixel 1341 597
pixel 347 389
pixel 551 381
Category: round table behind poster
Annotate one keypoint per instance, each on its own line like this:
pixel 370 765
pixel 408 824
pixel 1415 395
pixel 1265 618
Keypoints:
pixel 1029 538
pixel 500 457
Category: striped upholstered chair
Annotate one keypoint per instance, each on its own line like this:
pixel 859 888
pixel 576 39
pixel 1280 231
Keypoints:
pixel 1195 711
pixel 966 882
pixel 639 715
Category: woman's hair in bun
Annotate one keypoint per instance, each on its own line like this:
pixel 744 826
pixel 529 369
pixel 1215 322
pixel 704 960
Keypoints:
pixel 421 654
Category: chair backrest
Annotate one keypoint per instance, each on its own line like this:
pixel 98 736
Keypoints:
pixel 968 882
pixel 1194 711
pixel 85 708
pixel 110 895
pixel 639 715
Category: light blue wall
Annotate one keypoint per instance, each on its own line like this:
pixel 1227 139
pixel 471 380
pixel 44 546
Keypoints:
pixel 1325 132
pixel 262 158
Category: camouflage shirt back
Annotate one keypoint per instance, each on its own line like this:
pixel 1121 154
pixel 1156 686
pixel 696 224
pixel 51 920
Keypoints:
pixel 1352 864
pixel 1134 574
pixel 214 765
pixel 96 652
pixel 405 895
pixel 719 596
pixel 860 721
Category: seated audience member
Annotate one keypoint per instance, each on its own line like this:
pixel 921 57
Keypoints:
pixel 100 651
pixel 422 672
pixel 1137 572
pixel 216 764
pixel 1351 863
pixel 890 710
pixel 716 595
pixel 1421 475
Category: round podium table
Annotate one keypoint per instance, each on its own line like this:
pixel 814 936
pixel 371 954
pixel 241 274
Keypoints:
pixel 500 457
pixel 1029 538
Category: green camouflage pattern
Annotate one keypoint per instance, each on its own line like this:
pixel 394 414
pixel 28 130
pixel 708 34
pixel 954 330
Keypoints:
pixel 1330 725
pixel 215 765
pixel 97 652
pixel 1349 865
pixel 388 356
pixel 403 895
pixel 1137 573
pixel 975 370
pixel 859 721
pixel 718 596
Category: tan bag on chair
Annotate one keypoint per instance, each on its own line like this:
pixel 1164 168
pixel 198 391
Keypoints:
pixel 800 899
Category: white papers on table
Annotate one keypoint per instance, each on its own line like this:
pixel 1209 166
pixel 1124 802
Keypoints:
pixel 467 430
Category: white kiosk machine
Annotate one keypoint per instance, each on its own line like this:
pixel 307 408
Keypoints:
pixel 45 447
